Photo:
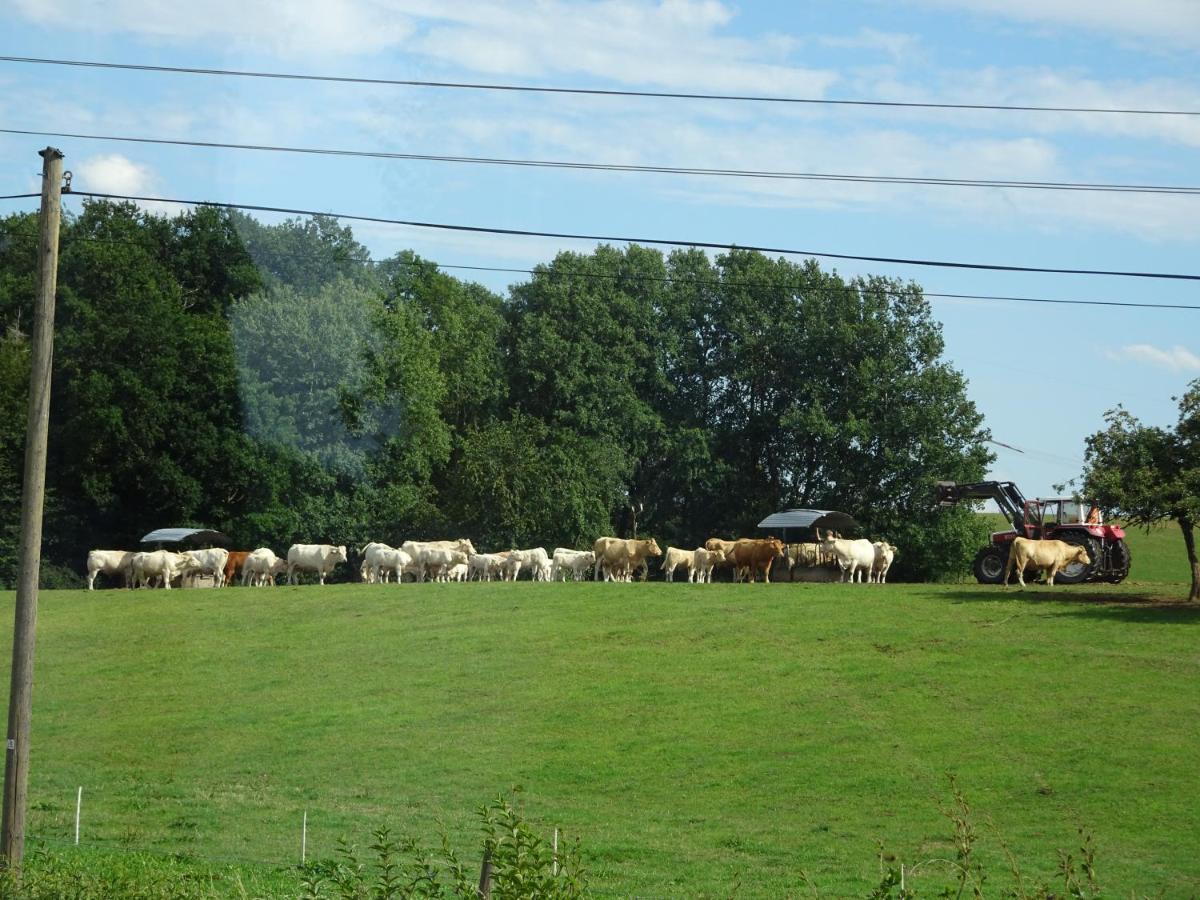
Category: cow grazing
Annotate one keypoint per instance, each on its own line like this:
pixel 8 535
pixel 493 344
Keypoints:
pixel 674 558
pixel 853 557
pixel 319 558
pixel 261 566
pixel 616 558
pixel 885 553
pixel 1053 556
pixel 109 562
pixel 751 556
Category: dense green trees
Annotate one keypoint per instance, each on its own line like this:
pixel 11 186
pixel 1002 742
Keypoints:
pixel 271 381
pixel 1146 474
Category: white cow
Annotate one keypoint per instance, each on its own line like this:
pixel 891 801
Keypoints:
pixel 572 562
pixel 510 568
pixel 210 562
pixel 458 572
pixel 536 561
pixel 160 564
pixel 110 562
pixel 885 553
pixel 379 559
pixel 436 562
pixel 853 557
pixel 319 558
pixel 674 558
pixel 484 566
pixel 703 563
pixel 261 567
pixel 417 551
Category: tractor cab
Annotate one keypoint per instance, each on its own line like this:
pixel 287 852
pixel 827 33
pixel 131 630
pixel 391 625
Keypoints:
pixel 1042 518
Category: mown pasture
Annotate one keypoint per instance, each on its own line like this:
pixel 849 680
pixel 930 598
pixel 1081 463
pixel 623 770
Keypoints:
pixel 694 737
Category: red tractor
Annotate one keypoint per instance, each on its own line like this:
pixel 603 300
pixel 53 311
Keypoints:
pixel 1059 518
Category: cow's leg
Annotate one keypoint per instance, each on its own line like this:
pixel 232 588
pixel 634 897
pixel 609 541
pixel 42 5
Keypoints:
pixel 1050 573
pixel 91 579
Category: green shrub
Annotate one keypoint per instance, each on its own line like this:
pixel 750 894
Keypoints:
pixel 521 864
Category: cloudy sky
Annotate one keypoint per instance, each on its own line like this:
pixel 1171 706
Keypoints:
pixel 1042 374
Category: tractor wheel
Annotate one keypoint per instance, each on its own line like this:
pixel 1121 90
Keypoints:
pixel 989 564
pixel 1120 559
pixel 1076 573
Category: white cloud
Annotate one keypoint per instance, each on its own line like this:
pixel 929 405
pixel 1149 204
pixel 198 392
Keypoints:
pixel 1176 21
pixel 1174 359
pixel 283 27
pixel 113 173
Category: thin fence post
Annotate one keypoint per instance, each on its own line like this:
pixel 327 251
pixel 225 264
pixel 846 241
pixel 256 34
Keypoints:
pixel 304 839
pixel 78 808
pixel 485 875
pixel 555 867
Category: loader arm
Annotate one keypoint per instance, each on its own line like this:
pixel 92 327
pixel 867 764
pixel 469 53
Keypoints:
pixel 1006 494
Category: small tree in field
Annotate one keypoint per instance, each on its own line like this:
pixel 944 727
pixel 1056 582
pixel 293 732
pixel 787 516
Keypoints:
pixel 1149 474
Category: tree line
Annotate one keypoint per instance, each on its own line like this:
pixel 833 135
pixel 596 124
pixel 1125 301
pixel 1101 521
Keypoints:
pixel 273 382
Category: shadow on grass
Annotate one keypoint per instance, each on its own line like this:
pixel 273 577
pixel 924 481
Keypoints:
pixel 1149 606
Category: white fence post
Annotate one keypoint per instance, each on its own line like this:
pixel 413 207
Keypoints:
pixel 304 839
pixel 78 808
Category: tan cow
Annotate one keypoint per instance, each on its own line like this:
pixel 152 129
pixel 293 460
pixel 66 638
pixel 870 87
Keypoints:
pixel 752 555
pixel 674 558
pixel 617 558
pixel 1052 556
pixel 703 563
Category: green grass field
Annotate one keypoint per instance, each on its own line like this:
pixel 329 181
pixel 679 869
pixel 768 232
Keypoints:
pixel 694 737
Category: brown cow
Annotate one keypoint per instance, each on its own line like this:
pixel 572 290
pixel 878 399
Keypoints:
pixel 754 555
pixel 233 565
pixel 618 558
pixel 1049 555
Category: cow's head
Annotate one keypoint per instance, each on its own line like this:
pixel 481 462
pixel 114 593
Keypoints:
pixel 465 546
pixel 1079 555
pixel 777 546
pixel 652 548
pixel 339 553
pixel 716 556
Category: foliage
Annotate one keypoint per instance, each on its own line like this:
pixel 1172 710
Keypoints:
pixel 273 382
pixel 58 874
pixel 522 866
pixel 1146 474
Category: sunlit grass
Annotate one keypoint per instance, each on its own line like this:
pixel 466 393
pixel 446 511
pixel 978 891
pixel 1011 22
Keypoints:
pixel 693 736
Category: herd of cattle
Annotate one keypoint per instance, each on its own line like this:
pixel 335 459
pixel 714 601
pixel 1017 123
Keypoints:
pixel 610 559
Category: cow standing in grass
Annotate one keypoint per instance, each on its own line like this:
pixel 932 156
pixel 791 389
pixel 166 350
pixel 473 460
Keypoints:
pixel 1052 556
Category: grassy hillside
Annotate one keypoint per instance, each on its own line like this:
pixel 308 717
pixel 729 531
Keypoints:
pixel 694 737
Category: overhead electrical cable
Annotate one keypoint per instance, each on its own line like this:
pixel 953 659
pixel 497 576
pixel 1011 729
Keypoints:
pixel 619 239
pixel 605 92
pixel 687 280
pixel 642 169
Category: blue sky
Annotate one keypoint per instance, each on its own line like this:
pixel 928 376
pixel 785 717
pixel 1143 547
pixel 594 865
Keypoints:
pixel 1042 375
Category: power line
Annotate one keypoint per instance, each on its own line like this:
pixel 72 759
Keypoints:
pixel 709 282
pixel 799 287
pixel 18 196
pixel 618 239
pixel 673 95
pixel 642 169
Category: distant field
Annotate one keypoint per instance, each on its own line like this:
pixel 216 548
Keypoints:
pixel 694 737
pixel 1158 554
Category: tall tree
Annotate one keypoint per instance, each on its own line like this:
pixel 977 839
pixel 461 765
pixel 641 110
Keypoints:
pixel 1147 474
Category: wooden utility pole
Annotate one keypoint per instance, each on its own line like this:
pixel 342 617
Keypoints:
pixel 33 491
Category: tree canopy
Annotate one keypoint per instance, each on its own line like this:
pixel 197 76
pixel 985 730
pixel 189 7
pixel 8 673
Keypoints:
pixel 1147 474
pixel 275 383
